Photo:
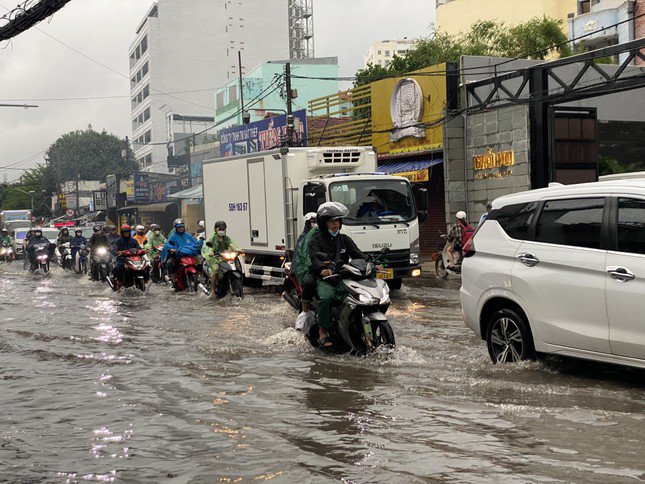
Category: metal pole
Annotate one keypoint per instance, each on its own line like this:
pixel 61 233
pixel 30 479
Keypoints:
pixel 239 68
pixel 289 105
pixel 31 196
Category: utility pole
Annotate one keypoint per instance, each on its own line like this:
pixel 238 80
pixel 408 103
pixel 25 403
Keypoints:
pixel 287 73
pixel 78 195
pixel 245 119
pixel 26 106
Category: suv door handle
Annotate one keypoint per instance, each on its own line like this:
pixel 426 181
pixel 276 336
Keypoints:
pixel 528 259
pixel 621 274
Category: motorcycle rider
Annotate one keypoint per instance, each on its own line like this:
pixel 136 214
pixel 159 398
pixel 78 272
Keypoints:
pixel 455 237
pixel 140 235
pixel 76 243
pixel 201 231
pixel 113 234
pixel 97 240
pixel 337 248
pixel 219 242
pixel 177 239
pixel 155 239
pixel 310 222
pixel 37 238
pixel 122 245
pixel 6 241
pixel 25 243
pixel 63 238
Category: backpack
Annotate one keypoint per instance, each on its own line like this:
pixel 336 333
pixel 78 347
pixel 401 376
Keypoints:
pixel 467 233
pixel 303 261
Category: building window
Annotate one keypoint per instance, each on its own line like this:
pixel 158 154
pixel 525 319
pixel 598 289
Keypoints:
pixel 380 52
pixel 387 53
pixel 220 100
pixel 584 6
pixel 232 94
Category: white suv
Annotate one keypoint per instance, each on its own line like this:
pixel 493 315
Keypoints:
pixel 561 270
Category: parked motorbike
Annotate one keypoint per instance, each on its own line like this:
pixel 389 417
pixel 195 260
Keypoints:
pixel 40 258
pixel 65 256
pixel 82 253
pixel 136 265
pixel 360 325
pixel 442 261
pixel 100 264
pixel 6 253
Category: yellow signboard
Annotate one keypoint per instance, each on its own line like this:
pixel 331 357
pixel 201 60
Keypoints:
pixel 493 160
pixel 129 189
pixel 407 112
pixel 416 176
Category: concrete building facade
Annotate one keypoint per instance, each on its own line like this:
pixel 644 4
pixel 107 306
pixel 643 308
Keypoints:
pixel 180 55
pixel 455 16
pixel 382 52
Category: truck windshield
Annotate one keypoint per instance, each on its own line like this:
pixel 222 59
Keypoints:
pixel 375 201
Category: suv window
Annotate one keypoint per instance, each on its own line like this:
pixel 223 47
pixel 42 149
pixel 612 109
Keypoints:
pixel 631 225
pixel 574 222
pixel 515 219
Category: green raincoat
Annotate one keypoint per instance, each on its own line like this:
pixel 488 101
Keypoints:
pixel 303 261
pixel 219 246
pixel 153 241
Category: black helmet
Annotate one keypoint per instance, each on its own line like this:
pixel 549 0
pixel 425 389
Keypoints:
pixel 97 229
pixel 36 230
pixel 220 224
pixel 64 230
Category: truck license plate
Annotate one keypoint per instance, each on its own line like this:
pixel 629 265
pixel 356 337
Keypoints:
pixel 385 274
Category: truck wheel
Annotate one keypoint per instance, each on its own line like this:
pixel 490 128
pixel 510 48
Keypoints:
pixel 395 283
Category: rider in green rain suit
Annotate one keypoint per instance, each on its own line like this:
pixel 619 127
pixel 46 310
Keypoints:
pixel 220 242
pixel 5 238
pixel 156 238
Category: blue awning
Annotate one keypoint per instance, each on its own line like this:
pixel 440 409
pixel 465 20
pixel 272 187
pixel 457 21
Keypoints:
pixel 405 166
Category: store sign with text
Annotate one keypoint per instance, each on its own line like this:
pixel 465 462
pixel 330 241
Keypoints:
pixel 493 165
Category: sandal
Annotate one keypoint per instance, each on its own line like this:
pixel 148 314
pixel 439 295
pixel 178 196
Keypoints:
pixel 325 343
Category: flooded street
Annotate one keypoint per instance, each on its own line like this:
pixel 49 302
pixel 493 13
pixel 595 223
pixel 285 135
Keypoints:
pixel 127 387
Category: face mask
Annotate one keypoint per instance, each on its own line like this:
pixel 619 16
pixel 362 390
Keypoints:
pixel 334 234
pixel 157 232
pixel 221 233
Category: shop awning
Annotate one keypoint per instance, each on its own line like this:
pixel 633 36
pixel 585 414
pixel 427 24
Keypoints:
pixel 189 193
pixel 415 171
pixel 150 207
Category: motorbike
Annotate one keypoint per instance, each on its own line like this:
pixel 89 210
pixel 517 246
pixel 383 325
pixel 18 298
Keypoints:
pixel 6 252
pixel 188 268
pixel 65 256
pixel 82 260
pixel 360 324
pixel 442 261
pixel 156 272
pixel 100 264
pixel 231 275
pixel 40 258
pixel 292 291
pixel 136 265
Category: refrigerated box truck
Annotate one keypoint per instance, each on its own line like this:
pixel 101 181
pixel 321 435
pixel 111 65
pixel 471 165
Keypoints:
pixel 264 196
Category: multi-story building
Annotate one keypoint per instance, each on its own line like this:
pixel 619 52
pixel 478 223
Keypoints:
pixel 181 54
pixel 595 23
pixel 454 16
pixel 264 87
pixel 382 52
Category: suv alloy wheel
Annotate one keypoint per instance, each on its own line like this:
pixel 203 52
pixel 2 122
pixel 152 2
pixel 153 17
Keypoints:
pixel 508 338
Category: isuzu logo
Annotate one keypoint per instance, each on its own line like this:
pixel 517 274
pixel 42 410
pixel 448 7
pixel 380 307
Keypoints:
pixel 381 245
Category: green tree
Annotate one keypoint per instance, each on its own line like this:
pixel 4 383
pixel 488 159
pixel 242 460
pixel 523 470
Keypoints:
pixel 91 154
pixel 532 40
pixel 13 196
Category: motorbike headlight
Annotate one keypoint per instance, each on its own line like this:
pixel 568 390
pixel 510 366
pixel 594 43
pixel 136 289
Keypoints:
pixel 365 299
pixel 228 255
pixel 101 251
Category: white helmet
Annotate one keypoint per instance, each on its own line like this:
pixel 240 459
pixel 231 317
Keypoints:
pixel 461 215
pixel 332 210
pixel 310 216
pixel 202 224
pixel 140 227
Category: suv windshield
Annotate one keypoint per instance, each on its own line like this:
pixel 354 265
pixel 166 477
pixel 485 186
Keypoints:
pixel 375 201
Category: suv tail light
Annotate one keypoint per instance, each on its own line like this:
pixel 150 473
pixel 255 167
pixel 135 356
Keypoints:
pixel 468 250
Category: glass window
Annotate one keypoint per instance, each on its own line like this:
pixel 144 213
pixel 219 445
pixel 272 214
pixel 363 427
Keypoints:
pixel 631 225
pixel 315 196
pixel 387 53
pixel 375 201
pixel 515 220
pixel 574 222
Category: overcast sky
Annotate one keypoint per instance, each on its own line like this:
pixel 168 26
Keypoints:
pixel 36 66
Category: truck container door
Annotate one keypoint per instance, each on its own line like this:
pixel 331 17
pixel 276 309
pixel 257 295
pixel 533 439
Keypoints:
pixel 257 202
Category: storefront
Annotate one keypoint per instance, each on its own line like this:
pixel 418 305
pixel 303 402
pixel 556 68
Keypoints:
pixel 162 213
pixel 191 204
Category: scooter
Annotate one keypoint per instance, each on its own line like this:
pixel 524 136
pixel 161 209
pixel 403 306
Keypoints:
pixel 135 268
pixel 65 256
pixel 82 260
pixel 156 272
pixel 40 258
pixel 442 261
pixel 231 275
pixel 100 265
pixel 6 253
pixel 188 268
pixel 292 291
pixel 360 325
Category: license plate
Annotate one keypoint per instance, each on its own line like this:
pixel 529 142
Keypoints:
pixel 385 274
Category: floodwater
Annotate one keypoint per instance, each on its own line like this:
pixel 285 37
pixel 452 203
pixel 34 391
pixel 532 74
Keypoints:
pixel 96 386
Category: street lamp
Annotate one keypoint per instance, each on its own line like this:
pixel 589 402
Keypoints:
pixel 30 193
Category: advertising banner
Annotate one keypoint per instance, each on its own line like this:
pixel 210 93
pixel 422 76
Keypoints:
pixel 262 135
pixel 100 200
pixel 141 188
pixel 129 189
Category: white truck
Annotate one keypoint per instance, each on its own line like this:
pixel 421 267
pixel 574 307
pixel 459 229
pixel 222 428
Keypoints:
pixel 264 196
